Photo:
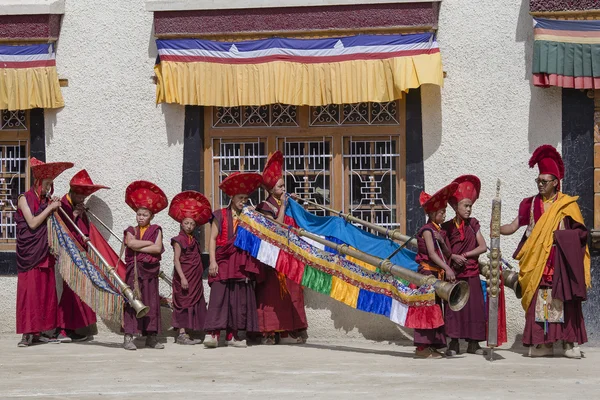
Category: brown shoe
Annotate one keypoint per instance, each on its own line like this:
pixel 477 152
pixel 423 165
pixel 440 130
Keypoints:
pixel 153 343
pixel 427 352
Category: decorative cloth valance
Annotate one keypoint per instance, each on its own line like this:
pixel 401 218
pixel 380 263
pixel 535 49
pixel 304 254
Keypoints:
pixel 28 77
pixel 364 68
pixel 566 53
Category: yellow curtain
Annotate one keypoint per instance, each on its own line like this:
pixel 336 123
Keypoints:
pixel 26 88
pixel 230 85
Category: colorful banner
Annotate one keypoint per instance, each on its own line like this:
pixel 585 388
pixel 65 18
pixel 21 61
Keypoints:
pixel 354 69
pixel 566 53
pixel 335 275
pixel 28 77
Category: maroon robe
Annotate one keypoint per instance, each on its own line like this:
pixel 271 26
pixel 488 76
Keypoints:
pixel 470 322
pixel 36 283
pixel 280 308
pixel 563 274
pixel 435 338
pixel 148 267
pixel 189 306
pixel 73 313
pixel 232 304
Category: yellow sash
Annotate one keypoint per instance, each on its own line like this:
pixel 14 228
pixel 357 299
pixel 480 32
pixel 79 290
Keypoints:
pixel 534 253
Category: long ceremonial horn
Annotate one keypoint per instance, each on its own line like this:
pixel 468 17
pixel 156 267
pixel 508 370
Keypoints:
pixel 511 278
pixel 161 274
pixel 140 309
pixel 456 294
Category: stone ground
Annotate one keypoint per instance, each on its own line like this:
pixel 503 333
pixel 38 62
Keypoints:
pixel 100 369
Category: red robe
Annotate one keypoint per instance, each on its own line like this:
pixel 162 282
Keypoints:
pixel 73 313
pixel 189 306
pixel 563 274
pixel 470 322
pixel 36 283
pixel 435 338
pixel 280 304
pixel 232 304
pixel 148 267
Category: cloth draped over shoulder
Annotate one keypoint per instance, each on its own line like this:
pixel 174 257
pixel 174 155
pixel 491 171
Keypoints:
pixel 536 249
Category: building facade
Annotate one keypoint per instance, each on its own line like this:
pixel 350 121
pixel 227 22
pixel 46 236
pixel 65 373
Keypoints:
pixel 371 156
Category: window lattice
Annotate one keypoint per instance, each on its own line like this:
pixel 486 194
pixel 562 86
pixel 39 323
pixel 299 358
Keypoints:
pixel 255 116
pixel 13 168
pixel 355 114
pixel 13 120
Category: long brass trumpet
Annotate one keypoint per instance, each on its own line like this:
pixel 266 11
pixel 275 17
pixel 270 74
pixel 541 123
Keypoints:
pixel 511 278
pixel 456 294
pixel 161 274
pixel 140 309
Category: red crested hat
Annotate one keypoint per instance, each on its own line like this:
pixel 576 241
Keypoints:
pixel 439 200
pixel 42 170
pixel 81 183
pixel 273 170
pixel 469 187
pixel 190 204
pixel 241 183
pixel 144 194
pixel 548 161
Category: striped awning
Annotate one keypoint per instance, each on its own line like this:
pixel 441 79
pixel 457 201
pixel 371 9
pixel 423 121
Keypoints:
pixel 566 53
pixel 28 77
pixel 364 68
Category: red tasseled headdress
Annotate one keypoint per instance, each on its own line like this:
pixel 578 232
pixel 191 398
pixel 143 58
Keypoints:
pixel 548 161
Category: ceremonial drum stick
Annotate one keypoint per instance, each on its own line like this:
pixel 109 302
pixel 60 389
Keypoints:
pixel 161 274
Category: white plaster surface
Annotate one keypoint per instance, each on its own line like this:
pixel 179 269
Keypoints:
pixel 30 7
pixel 486 120
pixel 178 5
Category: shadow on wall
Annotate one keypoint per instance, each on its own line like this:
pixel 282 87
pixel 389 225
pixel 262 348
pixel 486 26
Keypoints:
pixel 174 116
pixel 50 121
pixel 102 210
pixel 544 103
pixel 369 325
pixel 431 111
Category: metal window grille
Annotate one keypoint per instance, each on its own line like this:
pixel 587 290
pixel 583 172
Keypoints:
pixel 372 167
pixel 274 115
pixel 307 170
pixel 13 172
pixel 355 114
pixel 238 156
pixel 13 120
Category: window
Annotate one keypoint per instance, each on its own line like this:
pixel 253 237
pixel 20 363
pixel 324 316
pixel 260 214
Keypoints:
pixel 349 157
pixel 14 174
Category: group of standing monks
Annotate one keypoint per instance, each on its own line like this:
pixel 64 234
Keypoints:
pixel 250 301
pixel 247 300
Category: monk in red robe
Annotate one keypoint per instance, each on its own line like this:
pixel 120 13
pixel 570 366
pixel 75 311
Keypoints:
pixel 142 256
pixel 554 261
pixel 466 244
pixel 191 209
pixel 73 313
pixel 232 272
pixel 433 250
pixel 36 283
pixel 280 300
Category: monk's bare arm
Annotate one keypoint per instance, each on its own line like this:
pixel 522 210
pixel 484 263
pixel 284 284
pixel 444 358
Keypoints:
pixel 480 249
pixel 434 257
pixel 153 248
pixel 35 222
pixel 213 268
pixel 511 228
pixel 176 255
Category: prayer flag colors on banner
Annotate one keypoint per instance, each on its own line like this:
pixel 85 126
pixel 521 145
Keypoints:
pixel 353 69
pixel 566 53
pixel 335 275
pixel 28 77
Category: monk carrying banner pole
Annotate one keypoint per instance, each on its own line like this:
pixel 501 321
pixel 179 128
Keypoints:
pixel 493 276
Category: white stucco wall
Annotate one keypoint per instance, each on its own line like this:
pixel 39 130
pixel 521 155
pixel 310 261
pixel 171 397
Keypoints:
pixel 486 120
